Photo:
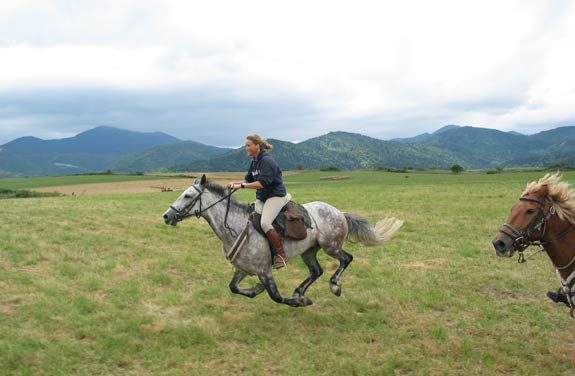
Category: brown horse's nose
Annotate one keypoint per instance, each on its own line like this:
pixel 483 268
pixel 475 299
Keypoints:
pixel 501 247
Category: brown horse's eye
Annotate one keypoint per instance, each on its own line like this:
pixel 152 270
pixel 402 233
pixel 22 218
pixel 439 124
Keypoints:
pixel 530 211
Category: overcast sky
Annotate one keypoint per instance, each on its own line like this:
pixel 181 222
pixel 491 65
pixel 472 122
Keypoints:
pixel 214 71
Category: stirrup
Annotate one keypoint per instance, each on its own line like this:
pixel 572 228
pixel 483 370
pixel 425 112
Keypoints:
pixel 282 262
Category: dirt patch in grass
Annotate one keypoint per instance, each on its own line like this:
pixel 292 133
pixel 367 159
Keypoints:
pixel 139 186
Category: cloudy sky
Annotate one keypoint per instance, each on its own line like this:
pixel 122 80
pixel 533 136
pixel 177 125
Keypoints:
pixel 214 71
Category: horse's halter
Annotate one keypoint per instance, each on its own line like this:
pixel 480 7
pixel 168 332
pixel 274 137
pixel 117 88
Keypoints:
pixel 522 238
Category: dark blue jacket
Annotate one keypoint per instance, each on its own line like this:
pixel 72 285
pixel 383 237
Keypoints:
pixel 265 170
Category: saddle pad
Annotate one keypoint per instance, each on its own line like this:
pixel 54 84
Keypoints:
pixel 280 222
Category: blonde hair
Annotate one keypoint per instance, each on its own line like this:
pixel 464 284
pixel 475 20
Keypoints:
pixel 559 192
pixel 258 140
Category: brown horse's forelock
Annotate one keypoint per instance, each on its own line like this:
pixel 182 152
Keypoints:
pixel 559 192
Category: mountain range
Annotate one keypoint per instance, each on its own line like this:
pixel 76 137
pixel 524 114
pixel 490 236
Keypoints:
pixel 108 148
pixel 99 149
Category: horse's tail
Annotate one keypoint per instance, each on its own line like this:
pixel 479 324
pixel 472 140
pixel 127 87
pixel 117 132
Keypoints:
pixel 362 231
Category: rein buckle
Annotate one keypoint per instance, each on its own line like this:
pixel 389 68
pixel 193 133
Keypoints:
pixel 521 258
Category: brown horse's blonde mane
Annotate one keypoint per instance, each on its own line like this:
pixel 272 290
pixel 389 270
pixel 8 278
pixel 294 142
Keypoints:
pixel 559 192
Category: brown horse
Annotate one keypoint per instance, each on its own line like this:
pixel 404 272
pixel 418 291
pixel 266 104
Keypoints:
pixel 544 216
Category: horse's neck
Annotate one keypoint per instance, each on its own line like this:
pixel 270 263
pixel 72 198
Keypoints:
pixel 560 245
pixel 216 218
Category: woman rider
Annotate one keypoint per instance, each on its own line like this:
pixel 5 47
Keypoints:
pixel 265 176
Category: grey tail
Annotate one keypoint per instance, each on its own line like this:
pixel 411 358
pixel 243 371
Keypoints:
pixel 362 231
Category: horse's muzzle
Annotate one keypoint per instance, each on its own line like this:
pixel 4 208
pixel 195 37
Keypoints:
pixel 503 246
pixel 170 217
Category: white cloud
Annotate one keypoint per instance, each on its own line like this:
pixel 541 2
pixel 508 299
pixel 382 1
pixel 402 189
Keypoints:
pixel 378 65
pixel 61 65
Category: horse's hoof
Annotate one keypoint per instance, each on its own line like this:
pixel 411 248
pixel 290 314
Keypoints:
pixel 305 301
pixel 335 289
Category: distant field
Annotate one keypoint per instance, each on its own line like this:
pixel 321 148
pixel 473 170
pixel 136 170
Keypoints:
pixel 97 284
pixel 107 184
pixel 111 184
pixel 51 181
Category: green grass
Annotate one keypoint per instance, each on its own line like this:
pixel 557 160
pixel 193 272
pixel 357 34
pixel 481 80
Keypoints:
pixel 99 285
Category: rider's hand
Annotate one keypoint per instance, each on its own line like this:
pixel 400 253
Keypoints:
pixel 231 185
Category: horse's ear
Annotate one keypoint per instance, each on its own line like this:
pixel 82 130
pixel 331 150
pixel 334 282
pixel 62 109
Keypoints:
pixel 544 191
pixel 204 179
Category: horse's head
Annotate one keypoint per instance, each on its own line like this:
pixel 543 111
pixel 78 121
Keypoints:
pixel 185 204
pixel 526 223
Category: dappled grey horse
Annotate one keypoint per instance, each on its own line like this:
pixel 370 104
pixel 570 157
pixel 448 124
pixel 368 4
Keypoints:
pixel 249 251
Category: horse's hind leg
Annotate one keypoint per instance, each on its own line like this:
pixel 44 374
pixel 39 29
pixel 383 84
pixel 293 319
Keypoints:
pixel 251 292
pixel 267 279
pixel 344 260
pixel 315 271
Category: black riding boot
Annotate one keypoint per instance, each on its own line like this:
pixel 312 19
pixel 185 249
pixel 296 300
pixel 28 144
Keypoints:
pixel 558 297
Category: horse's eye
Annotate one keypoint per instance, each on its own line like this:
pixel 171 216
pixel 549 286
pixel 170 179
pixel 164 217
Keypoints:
pixel 187 196
pixel 530 211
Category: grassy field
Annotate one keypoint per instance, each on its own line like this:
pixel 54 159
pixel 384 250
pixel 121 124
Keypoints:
pixel 99 285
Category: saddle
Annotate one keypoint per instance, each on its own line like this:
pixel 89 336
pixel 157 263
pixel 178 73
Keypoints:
pixel 292 222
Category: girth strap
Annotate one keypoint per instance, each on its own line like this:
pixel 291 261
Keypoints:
pixel 239 243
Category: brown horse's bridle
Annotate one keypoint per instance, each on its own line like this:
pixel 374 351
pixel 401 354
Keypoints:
pixel 522 238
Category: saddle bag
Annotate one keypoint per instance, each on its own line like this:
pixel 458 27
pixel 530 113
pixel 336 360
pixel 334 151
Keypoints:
pixel 295 227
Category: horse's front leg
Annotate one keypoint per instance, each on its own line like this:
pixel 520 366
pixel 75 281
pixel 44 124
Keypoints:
pixel 267 279
pixel 251 292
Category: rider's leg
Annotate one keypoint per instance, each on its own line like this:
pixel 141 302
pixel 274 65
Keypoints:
pixel 270 211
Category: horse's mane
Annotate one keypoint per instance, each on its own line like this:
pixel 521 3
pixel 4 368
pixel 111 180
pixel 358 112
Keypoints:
pixel 221 191
pixel 560 193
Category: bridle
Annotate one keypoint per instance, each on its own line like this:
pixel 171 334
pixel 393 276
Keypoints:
pixel 185 211
pixel 181 214
pixel 522 238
